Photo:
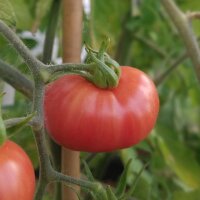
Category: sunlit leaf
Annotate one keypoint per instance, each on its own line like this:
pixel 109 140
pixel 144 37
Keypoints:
pixel 42 6
pixel 7 13
pixel 24 13
pixel 106 20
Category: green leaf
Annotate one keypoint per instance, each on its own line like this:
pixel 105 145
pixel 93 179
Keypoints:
pixel 180 159
pixel 192 195
pixel 144 183
pixel 110 193
pixel 99 192
pixel 122 183
pixel 136 180
pixel 7 13
pixel 16 124
pixel 106 20
pixel 24 13
pixel 88 172
pixel 42 7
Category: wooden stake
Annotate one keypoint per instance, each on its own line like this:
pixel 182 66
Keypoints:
pixel 72 40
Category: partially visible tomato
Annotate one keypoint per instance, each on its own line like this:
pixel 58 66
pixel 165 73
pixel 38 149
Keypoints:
pixel 17 178
pixel 80 116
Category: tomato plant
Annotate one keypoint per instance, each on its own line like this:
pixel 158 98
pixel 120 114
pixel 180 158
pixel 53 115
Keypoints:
pixel 17 179
pixel 80 116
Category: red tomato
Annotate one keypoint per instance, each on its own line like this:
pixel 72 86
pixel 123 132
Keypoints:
pixel 80 116
pixel 17 178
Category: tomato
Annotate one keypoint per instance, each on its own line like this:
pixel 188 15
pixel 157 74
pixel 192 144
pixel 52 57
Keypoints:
pixel 17 178
pixel 82 117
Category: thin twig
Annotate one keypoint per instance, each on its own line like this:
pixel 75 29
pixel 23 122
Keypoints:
pixel 193 15
pixel 16 79
pixel 151 44
pixel 181 22
pixel 158 80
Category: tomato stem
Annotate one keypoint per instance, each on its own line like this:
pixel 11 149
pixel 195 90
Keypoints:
pixel 100 68
pixel 3 135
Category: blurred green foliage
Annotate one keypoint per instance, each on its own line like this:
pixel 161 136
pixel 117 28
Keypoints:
pixel 142 35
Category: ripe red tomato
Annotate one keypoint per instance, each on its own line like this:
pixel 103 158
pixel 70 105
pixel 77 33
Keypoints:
pixel 80 116
pixel 17 178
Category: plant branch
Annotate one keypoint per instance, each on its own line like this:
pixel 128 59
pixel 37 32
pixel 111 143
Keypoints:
pixel 158 80
pixel 181 22
pixel 66 67
pixel 55 149
pixel 150 44
pixel 57 176
pixel 16 79
pixel 193 15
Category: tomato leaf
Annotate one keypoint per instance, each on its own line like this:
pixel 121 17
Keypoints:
pixel 133 186
pixel 16 124
pixel 7 13
pixel 123 181
pixel 42 6
pixel 23 11
pixel 111 12
pixel 110 193
pixel 88 172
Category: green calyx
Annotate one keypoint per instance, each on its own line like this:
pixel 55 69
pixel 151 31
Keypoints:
pixel 99 68
pixel 2 126
pixel 106 72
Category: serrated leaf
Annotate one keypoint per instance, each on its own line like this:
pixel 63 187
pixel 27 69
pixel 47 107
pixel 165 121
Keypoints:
pixel 7 13
pixel 122 183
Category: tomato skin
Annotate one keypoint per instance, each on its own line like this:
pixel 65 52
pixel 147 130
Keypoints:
pixel 82 117
pixel 17 178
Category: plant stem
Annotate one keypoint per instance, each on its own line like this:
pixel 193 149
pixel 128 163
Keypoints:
pixel 124 44
pixel 2 126
pixel 57 176
pixel 181 22
pixel 12 76
pixel 55 150
pixel 51 30
pixel 151 45
pixel 193 15
pixel 66 67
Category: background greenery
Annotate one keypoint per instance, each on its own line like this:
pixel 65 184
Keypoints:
pixel 142 36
